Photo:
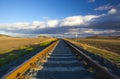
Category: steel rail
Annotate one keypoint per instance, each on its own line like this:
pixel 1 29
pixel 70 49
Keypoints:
pixel 19 72
pixel 102 73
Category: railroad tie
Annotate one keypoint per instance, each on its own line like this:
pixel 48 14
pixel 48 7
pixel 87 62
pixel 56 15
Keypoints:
pixel 61 64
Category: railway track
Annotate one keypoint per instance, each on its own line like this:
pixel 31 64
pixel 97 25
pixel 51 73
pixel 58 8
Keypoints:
pixel 61 60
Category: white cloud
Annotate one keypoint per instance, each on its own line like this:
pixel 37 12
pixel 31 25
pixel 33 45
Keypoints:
pixel 74 30
pixel 13 26
pixel 92 31
pixel 104 7
pixel 26 25
pixel 91 1
pixel 72 21
pixel 22 25
pixel 45 17
pixel 52 23
pixel 88 31
pixel 68 21
pixel 112 11
pixel 41 26
pixel 78 20
pixel 38 24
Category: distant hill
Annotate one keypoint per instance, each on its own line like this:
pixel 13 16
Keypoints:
pixel 3 35
pixel 104 37
pixel 43 37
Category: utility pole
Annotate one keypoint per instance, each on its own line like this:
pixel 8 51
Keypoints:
pixel 76 35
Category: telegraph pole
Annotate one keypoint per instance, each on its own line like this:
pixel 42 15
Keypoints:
pixel 76 35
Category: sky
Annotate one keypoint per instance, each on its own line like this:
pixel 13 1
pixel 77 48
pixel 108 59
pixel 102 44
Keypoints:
pixel 61 18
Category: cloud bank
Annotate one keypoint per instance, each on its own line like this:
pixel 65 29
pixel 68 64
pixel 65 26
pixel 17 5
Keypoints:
pixel 71 21
pixel 104 24
pixel 104 7
pixel 111 20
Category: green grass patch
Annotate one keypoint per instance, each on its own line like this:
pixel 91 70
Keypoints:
pixel 26 51
pixel 2 61
pixel 45 43
pixel 8 59
pixel 21 52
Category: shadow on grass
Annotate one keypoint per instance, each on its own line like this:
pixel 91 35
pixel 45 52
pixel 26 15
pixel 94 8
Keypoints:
pixel 15 54
pixel 17 57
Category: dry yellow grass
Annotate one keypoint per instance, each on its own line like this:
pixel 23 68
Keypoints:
pixel 12 43
pixel 13 48
pixel 111 56
pixel 112 45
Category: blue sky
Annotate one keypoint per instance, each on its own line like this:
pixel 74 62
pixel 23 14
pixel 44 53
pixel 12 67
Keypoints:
pixel 30 10
pixel 18 16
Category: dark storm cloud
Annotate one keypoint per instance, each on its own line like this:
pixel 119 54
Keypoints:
pixel 110 21
pixel 56 30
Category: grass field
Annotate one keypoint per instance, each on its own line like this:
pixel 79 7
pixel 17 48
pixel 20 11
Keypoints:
pixel 112 45
pixel 12 48
pixel 11 43
pixel 106 48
